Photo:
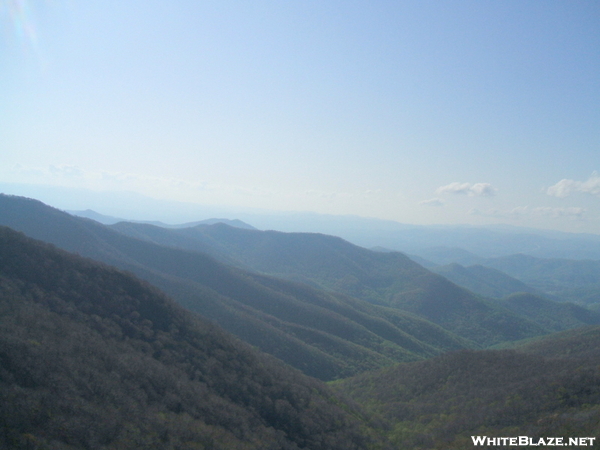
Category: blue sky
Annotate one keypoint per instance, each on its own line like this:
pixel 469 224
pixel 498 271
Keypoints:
pixel 422 112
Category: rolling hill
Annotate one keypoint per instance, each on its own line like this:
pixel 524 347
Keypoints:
pixel 555 316
pixel 576 281
pixel 548 275
pixel 549 387
pixel 482 280
pixel 110 220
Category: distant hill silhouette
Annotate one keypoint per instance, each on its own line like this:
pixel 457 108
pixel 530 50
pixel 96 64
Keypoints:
pixel 448 255
pixel 519 298
pixel 485 241
pixel 110 220
pixel 91 357
pixel 236 223
pixel 577 281
pixel 572 280
pixel 444 244
pixel 551 315
pixel 102 218
pixel 483 280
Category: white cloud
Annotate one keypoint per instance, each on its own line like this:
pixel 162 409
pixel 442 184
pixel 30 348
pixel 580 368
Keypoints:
pixel 477 189
pixel 483 189
pixel 432 202
pixel 62 173
pixel 516 212
pixel 574 212
pixel 566 187
pixel 321 194
pixel 65 170
pixel 454 188
pixel 519 211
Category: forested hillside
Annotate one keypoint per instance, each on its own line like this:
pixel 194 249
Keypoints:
pixel 483 280
pixel 554 316
pixel 543 309
pixel 390 279
pixel 581 343
pixel 571 280
pixel 550 387
pixel 92 358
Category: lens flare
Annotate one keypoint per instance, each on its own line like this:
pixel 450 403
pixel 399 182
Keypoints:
pixel 21 20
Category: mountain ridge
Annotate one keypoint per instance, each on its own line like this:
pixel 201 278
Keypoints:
pixel 389 279
pixel 237 300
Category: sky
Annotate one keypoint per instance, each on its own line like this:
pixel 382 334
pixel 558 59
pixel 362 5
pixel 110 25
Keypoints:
pixel 422 112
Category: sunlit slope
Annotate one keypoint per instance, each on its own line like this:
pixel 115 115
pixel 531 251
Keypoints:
pixel 326 335
pixel 483 280
pixel 580 343
pixel 550 387
pixel 573 280
pixel 389 279
pixel 91 357
pixel 555 316
pixel 514 295
pixel 549 311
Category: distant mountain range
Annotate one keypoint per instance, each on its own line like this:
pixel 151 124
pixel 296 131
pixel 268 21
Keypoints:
pixel 110 220
pixel 551 315
pixel 386 279
pixel 483 241
pixel 333 264
pixel 483 280
pixel 439 244
pixel 551 275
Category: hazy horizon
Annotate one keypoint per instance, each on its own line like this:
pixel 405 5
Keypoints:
pixel 450 112
pixel 362 230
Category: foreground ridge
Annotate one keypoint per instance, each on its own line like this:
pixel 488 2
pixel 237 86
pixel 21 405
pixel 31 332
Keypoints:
pixel 91 357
